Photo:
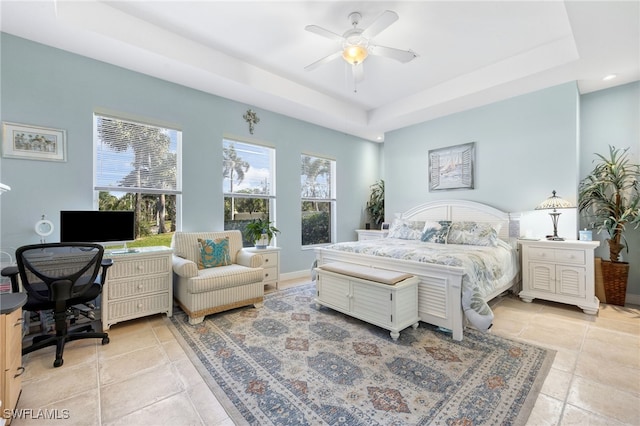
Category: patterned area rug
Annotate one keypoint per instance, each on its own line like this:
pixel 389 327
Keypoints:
pixel 290 363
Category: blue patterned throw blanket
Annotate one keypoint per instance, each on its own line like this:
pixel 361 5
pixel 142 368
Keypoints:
pixel 485 268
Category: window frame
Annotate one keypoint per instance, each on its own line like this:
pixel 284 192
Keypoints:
pixel 177 191
pixel 332 199
pixel 270 196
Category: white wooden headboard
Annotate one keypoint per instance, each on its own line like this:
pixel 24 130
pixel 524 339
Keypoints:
pixel 464 210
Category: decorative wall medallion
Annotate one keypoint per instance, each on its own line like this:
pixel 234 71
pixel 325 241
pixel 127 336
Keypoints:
pixel 252 118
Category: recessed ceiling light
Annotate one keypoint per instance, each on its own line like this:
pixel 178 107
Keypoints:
pixel 609 77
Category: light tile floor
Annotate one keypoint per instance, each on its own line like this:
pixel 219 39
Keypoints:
pixel 143 377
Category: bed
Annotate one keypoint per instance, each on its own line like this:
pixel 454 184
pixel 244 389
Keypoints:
pixel 457 277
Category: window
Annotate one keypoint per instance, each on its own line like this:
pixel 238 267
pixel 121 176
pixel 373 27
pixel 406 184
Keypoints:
pixel 318 200
pixel 137 168
pixel 248 183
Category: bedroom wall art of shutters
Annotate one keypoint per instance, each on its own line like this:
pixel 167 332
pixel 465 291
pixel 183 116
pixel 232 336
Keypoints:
pixel 452 167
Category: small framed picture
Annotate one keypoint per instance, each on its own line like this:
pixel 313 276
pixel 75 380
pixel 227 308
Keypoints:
pixel 385 225
pixel 33 143
pixel 585 235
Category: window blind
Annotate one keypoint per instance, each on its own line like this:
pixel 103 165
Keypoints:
pixel 136 157
pixel 317 178
pixel 248 170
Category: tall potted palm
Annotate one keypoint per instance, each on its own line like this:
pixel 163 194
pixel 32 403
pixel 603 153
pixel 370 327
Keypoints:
pixel 609 199
pixel 375 205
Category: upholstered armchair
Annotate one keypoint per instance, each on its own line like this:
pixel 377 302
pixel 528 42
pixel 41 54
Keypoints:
pixel 209 278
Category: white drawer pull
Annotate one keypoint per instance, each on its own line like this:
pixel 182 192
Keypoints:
pixel 139 286
pixel 139 305
pixel 140 268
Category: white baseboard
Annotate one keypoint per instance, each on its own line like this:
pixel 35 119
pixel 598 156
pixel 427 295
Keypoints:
pixel 296 275
pixel 633 299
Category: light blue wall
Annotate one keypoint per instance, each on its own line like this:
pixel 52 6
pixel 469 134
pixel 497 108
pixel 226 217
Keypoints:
pixel 52 88
pixel 525 147
pixel 612 117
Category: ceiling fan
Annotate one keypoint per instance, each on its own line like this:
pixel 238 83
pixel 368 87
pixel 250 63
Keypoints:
pixel 357 43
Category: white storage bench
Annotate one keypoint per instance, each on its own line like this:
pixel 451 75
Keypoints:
pixel 388 299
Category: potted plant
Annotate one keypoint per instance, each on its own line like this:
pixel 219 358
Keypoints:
pixel 260 232
pixel 375 205
pixel 609 198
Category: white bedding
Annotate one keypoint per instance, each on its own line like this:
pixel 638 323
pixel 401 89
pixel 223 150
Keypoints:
pixel 485 268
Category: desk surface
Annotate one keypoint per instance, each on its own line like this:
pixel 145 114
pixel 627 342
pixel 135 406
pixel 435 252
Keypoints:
pixel 9 302
pixel 136 250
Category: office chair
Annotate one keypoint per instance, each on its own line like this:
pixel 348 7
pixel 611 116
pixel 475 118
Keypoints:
pixel 57 276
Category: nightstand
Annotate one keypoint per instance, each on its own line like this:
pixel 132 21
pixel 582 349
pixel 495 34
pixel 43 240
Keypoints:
pixel 560 271
pixel 270 263
pixel 371 234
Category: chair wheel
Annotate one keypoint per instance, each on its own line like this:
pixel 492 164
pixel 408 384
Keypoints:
pixel 105 340
pixel 58 362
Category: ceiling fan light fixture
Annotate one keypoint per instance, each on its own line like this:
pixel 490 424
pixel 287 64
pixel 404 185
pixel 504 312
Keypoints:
pixel 354 54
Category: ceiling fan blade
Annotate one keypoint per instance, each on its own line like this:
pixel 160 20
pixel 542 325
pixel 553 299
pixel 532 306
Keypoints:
pixel 389 52
pixel 358 72
pixel 323 32
pixel 385 19
pixel 324 60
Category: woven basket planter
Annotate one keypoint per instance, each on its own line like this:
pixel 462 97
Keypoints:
pixel 615 275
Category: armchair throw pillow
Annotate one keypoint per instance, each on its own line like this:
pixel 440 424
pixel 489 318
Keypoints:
pixel 214 253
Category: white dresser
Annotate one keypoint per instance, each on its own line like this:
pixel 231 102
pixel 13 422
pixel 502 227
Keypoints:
pixel 270 264
pixel 138 284
pixel 560 271
pixel 371 234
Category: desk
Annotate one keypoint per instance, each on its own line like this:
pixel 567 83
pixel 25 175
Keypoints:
pixel 10 350
pixel 138 284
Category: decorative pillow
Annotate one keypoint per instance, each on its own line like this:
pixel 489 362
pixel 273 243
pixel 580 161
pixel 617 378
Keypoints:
pixel 405 229
pixel 436 232
pixel 214 253
pixel 474 233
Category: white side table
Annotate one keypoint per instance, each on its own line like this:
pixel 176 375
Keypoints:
pixel 270 263
pixel 560 271
pixel 371 234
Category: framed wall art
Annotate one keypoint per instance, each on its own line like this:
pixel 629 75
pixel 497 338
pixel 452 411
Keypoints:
pixel 452 167
pixel 33 142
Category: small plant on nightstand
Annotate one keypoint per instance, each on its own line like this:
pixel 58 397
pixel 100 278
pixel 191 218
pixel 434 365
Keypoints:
pixel 609 198
pixel 260 232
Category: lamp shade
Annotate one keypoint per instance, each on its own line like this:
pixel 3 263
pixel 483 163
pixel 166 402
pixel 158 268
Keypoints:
pixel 354 54
pixel 554 202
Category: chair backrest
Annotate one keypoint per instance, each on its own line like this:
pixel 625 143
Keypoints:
pixel 58 271
pixel 185 244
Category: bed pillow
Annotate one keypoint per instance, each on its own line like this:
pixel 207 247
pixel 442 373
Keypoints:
pixel 214 253
pixel 474 233
pixel 406 229
pixel 436 232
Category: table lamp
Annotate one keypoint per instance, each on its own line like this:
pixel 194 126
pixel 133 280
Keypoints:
pixel 554 202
